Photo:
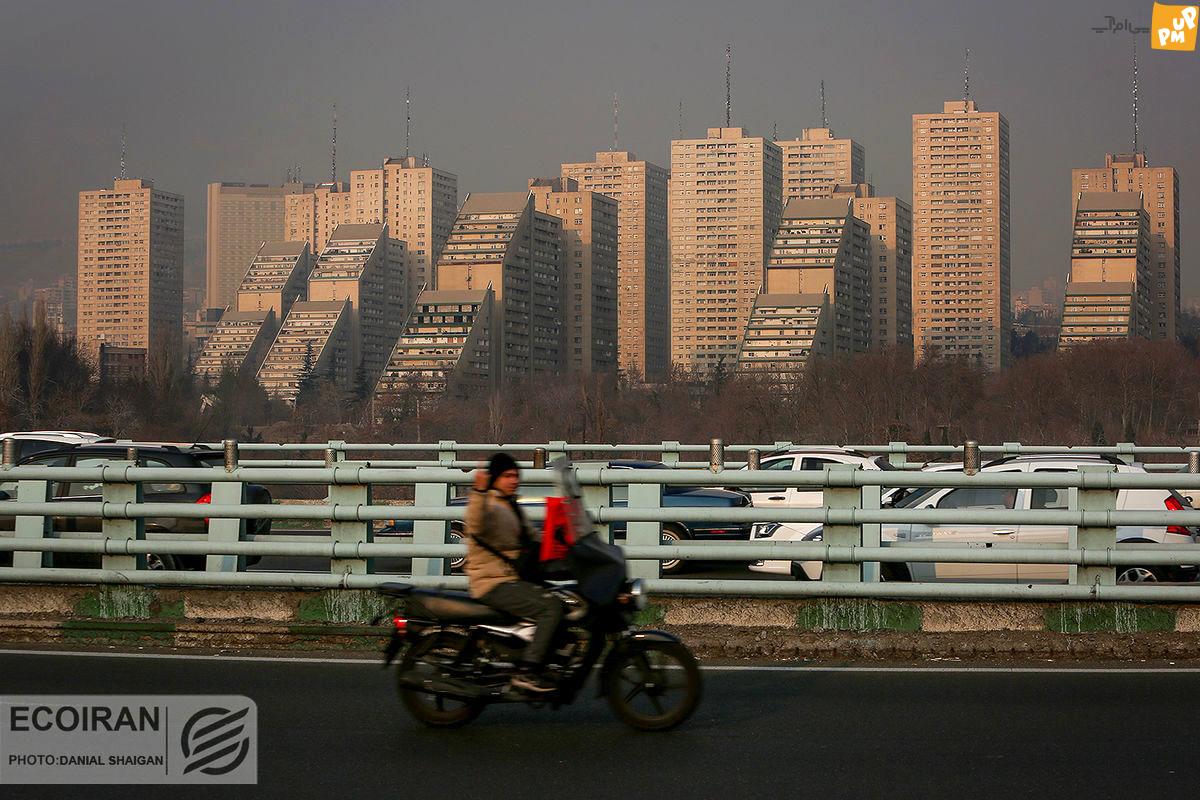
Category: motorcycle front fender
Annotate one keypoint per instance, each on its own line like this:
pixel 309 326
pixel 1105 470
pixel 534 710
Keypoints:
pixel 631 641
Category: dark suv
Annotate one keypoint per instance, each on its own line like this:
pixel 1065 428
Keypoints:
pixel 149 455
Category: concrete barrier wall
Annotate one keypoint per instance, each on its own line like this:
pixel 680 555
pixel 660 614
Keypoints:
pixel 718 628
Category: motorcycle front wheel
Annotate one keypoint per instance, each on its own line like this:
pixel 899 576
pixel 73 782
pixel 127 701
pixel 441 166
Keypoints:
pixel 424 661
pixel 654 686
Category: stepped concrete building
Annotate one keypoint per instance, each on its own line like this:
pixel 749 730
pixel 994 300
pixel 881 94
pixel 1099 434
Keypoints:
pixel 1109 292
pixel 725 201
pixel 589 264
pixel 1159 187
pixel 890 222
pixel 961 254
pixel 500 240
pixel 784 332
pixel 130 269
pixel 447 348
pixel 643 265
pixel 363 265
pixel 277 278
pixel 315 343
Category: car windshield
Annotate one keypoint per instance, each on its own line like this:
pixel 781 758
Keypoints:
pixel 914 496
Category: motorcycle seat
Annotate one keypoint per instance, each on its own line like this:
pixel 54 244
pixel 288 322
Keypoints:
pixel 447 606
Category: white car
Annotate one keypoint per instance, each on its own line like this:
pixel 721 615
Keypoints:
pixel 798 531
pixel 806 458
pixel 917 535
pixel 33 442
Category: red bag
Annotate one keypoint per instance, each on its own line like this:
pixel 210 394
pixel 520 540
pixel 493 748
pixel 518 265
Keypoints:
pixel 558 534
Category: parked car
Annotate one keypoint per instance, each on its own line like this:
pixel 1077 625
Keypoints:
pixel 149 455
pixel 916 535
pixel 673 497
pixel 797 531
pixel 806 459
pixel 30 443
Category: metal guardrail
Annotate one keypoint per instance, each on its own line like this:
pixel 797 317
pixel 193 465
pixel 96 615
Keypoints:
pixel 852 550
pixel 676 454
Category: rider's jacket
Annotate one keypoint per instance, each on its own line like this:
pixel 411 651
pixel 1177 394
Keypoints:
pixel 490 517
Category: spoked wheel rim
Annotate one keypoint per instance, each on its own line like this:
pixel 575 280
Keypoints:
pixel 1137 575
pixel 155 562
pixel 455 537
pixel 655 688
pixel 424 662
pixel 670 537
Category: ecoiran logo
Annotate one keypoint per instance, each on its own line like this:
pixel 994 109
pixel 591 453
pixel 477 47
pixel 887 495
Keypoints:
pixel 1174 27
pixel 128 739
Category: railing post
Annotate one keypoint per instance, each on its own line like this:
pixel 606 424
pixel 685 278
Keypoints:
pixel 1125 452
pixel 1092 538
pixel 354 531
pixel 431 531
pixel 117 528
pixel 1011 448
pixel 447 453
pixel 898 454
pixel 338 446
pixel 227 529
pixel 539 458
pixel 871 531
pixel 644 534
pixel 753 458
pixel 10 452
pixel 842 498
pixel 230 447
pixel 670 454
pixel 555 450
pixel 972 460
pixel 716 455
pixel 32 527
pixel 1194 462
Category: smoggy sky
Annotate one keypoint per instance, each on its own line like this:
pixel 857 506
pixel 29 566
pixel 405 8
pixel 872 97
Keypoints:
pixel 503 91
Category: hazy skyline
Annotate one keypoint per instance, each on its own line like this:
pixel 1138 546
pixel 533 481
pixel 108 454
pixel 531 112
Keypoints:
pixel 505 92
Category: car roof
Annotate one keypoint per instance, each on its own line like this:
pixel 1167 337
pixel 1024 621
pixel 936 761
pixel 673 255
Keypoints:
pixel 109 447
pixel 64 437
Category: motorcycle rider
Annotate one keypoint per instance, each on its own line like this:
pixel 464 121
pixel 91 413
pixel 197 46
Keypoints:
pixel 497 535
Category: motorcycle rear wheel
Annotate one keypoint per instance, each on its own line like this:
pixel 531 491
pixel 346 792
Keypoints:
pixel 654 686
pixel 434 710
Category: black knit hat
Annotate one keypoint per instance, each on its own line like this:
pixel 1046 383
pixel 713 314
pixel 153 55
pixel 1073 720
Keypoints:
pixel 500 464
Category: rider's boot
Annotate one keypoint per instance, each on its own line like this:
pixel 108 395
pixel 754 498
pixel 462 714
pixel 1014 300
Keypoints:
pixel 530 678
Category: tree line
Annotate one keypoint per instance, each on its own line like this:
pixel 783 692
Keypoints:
pixel 1141 391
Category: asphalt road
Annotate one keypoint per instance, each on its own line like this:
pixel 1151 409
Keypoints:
pixel 336 730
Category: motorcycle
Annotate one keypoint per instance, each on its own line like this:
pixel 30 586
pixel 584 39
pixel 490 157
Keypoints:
pixel 459 656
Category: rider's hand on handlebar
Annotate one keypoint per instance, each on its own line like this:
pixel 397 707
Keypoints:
pixel 481 479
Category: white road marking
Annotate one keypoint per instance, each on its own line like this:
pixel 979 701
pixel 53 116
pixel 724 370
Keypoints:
pixel 709 668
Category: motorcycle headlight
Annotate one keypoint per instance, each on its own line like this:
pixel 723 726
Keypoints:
pixel 763 530
pixel 816 536
pixel 637 590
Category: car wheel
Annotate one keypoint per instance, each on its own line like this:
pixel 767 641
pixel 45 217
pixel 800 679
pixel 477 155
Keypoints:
pixel 456 537
pixel 1139 575
pixel 159 562
pixel 670 536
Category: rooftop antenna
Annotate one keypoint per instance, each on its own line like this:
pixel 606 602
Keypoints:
pixel 1135 98
pixel 775 131
pixel 824 119
pixel 333 149
pixel 728 85
pixel 966 78
pixel 680 128
pixel 407 120
pixel 616 114
pixel 123 143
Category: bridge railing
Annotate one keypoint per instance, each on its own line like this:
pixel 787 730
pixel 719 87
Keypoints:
pixel 851 551
pixel 902 455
